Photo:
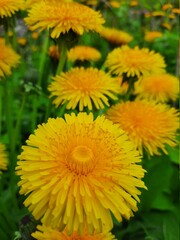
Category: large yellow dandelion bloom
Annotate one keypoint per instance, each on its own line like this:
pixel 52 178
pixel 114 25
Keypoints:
pixel 176 10
pixel 84 87
pixel 51 234
pixel 83 53
pixel 61 17
pixel 115 36
pixel 151 36
pixel 78 171
pixel 148 124
pixel 159 87
pixel 3 158
pixel 134 61
pixel 8 59
pixel 9 7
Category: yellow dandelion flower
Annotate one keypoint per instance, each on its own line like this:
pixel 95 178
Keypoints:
pixel 9 7
pixel 84 87
pixel 84 53
pixel 167 25
pixel 172 16
pixel 133 3
pixel 159 87
pixel 3 158
pixel 147 15
pixel 51 234
pixel 176 10
pixel 115 36
pixel 115 4
pixel 78 171
pixel 54 52
pixel 8 59
pixel 167 6
pixel 22 41
pixel 134 61
pixel 35 35
pixel 90 2
pixel 60 17
pixel 158 14
pixel 148 124
pixel 29 3
pixel 151 36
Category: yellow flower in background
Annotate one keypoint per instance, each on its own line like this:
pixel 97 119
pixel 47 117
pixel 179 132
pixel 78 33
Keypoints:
pixel 116 36
pixel 134 61
pixel 61 17
pixel 9 7
pixel 8 59
pixel 176 10
pixel 54 52
pixel 167 6
pixel 79 171
pixel 115 3
pixel 83 53
pixel 159 87
pixel 3 158
pixel 22 41
pixel 151 36
pixel 86 87
pixel 149 125
pixel 167 25
pixel 51 234
pixel 158 14
pixel 134 3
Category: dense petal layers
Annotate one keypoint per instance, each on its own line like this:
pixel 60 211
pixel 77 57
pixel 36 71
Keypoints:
pixel 83 53
pixel 9 7
pixel 76 172
pixel 50 234
pixel 84 87
pixel 148 124
pixel 61 17
pixel 134 61
pixel 159 87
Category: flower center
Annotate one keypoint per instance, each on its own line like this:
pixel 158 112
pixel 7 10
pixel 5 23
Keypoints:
pixel 81 160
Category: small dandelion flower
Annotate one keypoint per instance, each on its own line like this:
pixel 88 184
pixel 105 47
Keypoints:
pixel 8 59
pixel 167 25
pixel 158 14
pixel 116 36
pixel 54 52
pixel 176 10
pixel 148 124
pixel 159 87
pixel 9 7
pixel 134 61
pixel 151 36
pixel 61 17
pixel 3 158
pixel 78 171
pixel 167 6
pixel 44 232
pixel 84 87
pixel 83 53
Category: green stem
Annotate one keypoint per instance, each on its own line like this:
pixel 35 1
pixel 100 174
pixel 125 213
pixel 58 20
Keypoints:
pixel 41 71
pixel 130 89
pixel 18 122
pixel 62 61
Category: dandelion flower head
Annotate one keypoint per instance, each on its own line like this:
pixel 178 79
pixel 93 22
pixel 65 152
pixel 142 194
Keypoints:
pixel 8 59
pixel 61 17
pixel 159 87
pixel 51 234
pixel 3 158
pixel 78 171
pixel 134 61
pixel 9 7
pixel 83 53
pixel 54 52
pixel 148 124
pixel 151 36
pixel 84 86
pixel 116 36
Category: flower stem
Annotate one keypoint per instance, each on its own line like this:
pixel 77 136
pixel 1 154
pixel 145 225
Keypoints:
pixel 1 107
pixel 130 89
pixel 62 61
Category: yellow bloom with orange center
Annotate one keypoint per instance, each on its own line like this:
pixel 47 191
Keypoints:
pixel 134 61
pixel 149 125
pixel 51 234
pixel 159 87
pixel 176 10
pixel 134 3
pixel 3 158
pixel 61 17
pixel 167 6
pixel 22 41
pixel 167 25
pixel 116 36
pixel 8 59
pixel 86 87
pixel 83 53
pixel 115 3
pixel 78 171
pixel 9 7
pixel 151 36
